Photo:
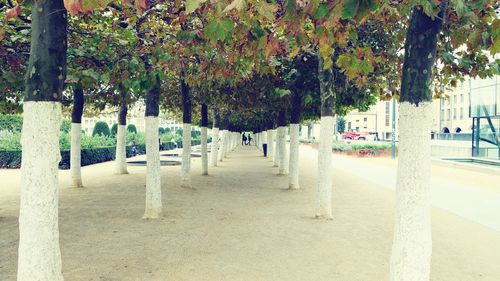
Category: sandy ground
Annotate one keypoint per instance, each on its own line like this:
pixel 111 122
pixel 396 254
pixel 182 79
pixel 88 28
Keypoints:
pixel 240 224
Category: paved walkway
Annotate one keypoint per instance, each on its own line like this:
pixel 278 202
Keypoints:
pixel 469 194
pixel 240 224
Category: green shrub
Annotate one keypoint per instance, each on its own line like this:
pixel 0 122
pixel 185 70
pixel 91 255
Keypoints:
pixel 10 140
pixel 11 122
pixel 89 142
pixel 140 138
pixel 161 131
pixel 179 132
pixel 101 128
pixel 167 130
pixel 66 126
pixel 131 128
pixel 341 146
pixel 195 134
pixel 114 129
pixel 382 145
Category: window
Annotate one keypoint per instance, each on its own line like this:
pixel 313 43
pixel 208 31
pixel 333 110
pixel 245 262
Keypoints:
pixel 442 115
pixel 454 114
pixel 455 99
pixel 461 98
pixel 349 126
pixel 357 121
pixel 461 113
pixel 365 119
pixel 448 114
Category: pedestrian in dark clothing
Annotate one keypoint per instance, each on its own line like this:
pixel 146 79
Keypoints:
pixel 243 139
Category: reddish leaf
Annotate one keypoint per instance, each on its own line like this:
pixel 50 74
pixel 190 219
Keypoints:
pixel 13 13
pixel 73 6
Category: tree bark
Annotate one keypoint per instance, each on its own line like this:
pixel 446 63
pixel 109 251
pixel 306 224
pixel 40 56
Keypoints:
pixel 76 137
pixel 121 147
pixel 204 152
pixel 215 137
pixel 293 175
pixel 281 140
pixel 186 136
pixel 153 208
pixel 412 245
pixel 39 254
pixel 275 149
pixel 327 94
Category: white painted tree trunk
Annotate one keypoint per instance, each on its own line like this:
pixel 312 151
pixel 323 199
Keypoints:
pixel 153 178
pixel 121 150
pixel 412 245
pixel 222 144
pixel 39 255
pixel 270 144
pixel 186 156
pixel 324 190
pixel 214 150
pixel 276 149
pixel 282 150
pixel 204 152
pixel 293 176
pixel 226 143
pixel 76 155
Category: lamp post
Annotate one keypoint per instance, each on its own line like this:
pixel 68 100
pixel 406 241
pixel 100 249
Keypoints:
pixel 393 140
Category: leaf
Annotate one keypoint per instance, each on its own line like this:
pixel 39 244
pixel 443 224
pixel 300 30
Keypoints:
pixel 349 8
pixel 73 6
pixel 267 10
pixel 460 7
pixel 236 4
pixel 192 5
pixel 13 12
pixel 2 34
pixel 321 12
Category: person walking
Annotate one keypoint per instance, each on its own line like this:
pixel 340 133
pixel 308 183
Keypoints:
pixel 243 139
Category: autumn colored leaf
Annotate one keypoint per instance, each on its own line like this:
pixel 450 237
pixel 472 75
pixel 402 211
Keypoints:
pixel 13 12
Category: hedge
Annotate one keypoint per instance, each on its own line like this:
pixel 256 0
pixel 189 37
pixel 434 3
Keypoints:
pixel 12 159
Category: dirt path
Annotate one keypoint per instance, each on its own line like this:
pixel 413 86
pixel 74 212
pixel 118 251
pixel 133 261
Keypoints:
pixel 238 225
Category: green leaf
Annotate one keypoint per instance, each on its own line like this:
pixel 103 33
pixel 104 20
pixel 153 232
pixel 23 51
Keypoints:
pixel 321 12
pixel 349 8
pixel 192 5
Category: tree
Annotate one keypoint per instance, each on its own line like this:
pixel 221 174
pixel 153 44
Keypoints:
pixel 340 124
pixel 131 128
pixel 39 253
pixel 101 128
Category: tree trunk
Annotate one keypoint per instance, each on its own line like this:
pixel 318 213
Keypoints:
pixel 186 136
pixel 121 147
pixel 282 130
pixel 215 138
pixel 327 93
pixel 293 176
pixel 204 152
pixel 76 137
pixel 270 144
pixel 276 149
pixel 39 255
pixel 153 208
pixel 412 246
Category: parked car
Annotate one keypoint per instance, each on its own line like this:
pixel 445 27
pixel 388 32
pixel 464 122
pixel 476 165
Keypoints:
pixel 359 136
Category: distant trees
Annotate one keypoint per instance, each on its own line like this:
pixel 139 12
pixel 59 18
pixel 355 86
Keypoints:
pixel 101 128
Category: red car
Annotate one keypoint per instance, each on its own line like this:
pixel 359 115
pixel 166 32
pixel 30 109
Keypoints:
pixel 355 135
